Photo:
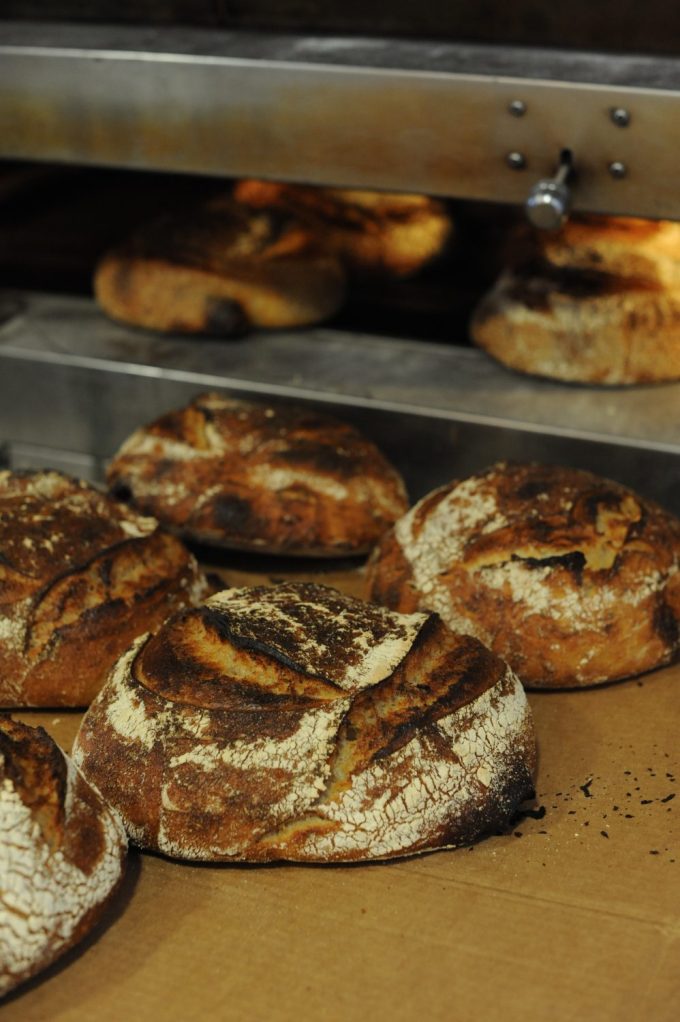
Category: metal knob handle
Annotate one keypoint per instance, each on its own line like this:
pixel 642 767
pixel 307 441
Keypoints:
pixel 548 203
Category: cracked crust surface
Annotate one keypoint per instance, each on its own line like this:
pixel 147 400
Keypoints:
pixel 80 577
pixel 296 723
pixel 267 478
pixel 596 302
pixel 572 578
pixel 61 853
pixel 220 269
pixel 385 233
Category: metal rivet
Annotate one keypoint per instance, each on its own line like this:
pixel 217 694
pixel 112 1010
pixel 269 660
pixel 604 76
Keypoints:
pixel 516 161
pixel 517 108
pixel 617 169
pixel 620 116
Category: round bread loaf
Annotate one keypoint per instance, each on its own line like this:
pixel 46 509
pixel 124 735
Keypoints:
pixel 386 233
pixel 295 723
pixel 62 852
pixel 597 302
pixel 275 479
pixel 80 577
pixel 573 579
pixel 219 269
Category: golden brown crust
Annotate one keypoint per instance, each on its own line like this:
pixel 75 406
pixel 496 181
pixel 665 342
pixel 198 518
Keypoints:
pixel 386 233
pixel 597 302
pixel 80 577
pixel 61 853
pixel 219 269
pixel 296 723
pixel 573 579
pixel 270 478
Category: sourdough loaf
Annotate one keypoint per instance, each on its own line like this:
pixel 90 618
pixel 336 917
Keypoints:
pixel 219 269
pixel 61 853
pixel 596 302
pixel 270 478
pixel 385 233
pixel 573 579
pixel 295 723
pixel 80 577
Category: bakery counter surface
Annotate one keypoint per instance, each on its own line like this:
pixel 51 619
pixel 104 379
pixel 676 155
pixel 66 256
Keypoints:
pixel 573 913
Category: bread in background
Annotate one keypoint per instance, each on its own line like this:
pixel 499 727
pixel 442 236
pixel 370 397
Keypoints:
pixel 596 302
pixel 220 269
pixel 384 233
pixel 270 478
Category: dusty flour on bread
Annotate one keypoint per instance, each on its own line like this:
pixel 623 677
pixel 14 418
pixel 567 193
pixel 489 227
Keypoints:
pixel 567 575
pixel 483 738
pixel 43 896
pixel 352 645
pixel 292 722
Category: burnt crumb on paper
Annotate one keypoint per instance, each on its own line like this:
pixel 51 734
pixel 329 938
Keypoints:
pixel 535 814
pixel 610 802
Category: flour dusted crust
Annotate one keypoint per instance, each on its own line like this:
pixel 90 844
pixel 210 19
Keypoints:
pixel 388 233
pixel 219 269
pixel 572 578
pixel 271 478
pixel 296 723
pixel 597 302
pixel 61 853
pixel 80 577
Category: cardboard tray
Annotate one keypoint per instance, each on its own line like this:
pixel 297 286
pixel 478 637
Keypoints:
pixel 573 913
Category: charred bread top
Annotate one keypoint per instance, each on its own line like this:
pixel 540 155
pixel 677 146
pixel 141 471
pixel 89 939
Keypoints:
pixel 270 478
pixel 296 723
pixel 572 578
pixel 388 233
pixel 80 577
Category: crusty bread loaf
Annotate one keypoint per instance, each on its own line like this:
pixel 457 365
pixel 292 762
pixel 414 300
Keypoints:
pixel 61 853
pixel 219 269
pixel 385 233
pixel 597 302
pixel 295 723
pixel 270 478
pixel 80 577
pixel 573 579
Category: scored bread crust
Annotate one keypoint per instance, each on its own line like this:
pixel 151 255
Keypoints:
pixel 388 233
pixel 597 302
pixel 62 853
pixel 80 577
pixel 571 578
pixel 295 723
pixel 219 269
pixel 267 478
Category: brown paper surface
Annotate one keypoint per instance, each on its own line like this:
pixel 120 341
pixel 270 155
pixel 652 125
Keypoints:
pixel 571 916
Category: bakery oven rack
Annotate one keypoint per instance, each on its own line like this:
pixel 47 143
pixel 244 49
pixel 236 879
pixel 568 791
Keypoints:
pixel 73 385
pixel 436 117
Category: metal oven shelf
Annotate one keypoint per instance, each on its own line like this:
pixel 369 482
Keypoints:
pixel 73 385
pixel 430 117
